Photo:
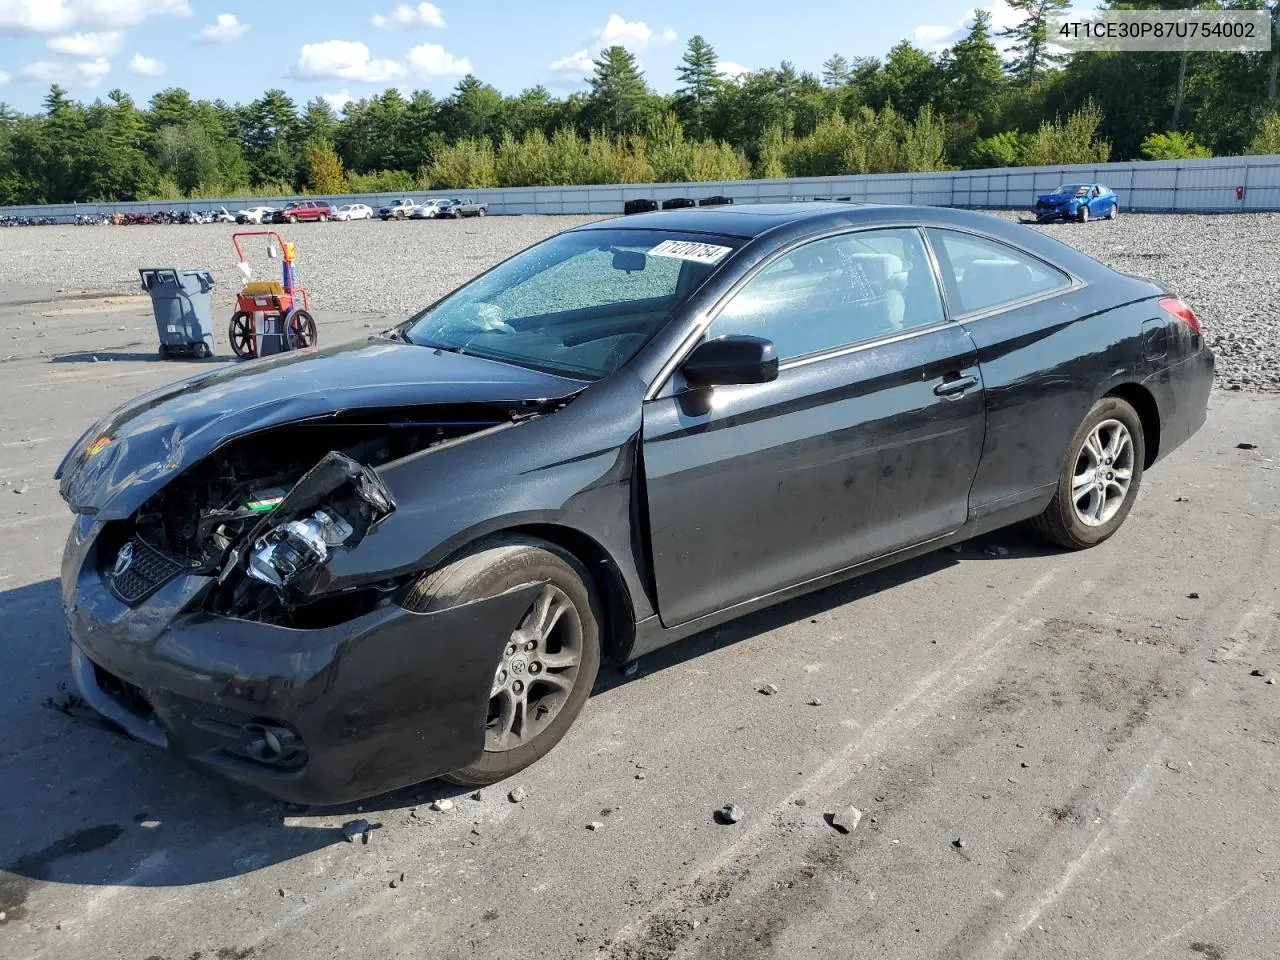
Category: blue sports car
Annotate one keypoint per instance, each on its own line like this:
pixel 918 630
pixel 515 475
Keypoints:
pixel 1077 201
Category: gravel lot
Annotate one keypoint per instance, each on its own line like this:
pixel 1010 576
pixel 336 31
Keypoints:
pixel 1226 266
pixel 1039 742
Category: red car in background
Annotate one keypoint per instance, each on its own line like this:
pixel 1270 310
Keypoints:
pixel 303 210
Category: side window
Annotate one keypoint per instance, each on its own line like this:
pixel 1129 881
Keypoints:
pixel 988 274
pixel 836 292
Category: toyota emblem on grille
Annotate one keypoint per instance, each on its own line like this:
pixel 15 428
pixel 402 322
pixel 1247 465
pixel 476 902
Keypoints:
pixel 124 560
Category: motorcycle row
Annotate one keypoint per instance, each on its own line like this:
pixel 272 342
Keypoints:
pixel 125 219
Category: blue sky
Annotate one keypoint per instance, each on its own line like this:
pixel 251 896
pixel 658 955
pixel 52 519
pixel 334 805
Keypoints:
pixel 235 50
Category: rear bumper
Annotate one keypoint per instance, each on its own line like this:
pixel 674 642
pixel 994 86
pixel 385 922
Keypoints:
pixel 382 701
pixel 1181 392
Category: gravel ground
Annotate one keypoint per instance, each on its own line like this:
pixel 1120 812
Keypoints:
pixel 1226 266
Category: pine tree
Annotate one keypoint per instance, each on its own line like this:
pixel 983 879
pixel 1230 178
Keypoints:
pixel 835 72
pixel 699 79
pixel 618 90
pixel 1030 48
pixel 972 72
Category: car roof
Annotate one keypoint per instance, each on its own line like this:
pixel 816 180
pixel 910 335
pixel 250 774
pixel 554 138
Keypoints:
pixel 786 222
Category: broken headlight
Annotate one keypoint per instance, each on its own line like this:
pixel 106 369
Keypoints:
pixel 292 548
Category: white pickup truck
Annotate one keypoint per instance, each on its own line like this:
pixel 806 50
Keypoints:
pixel 400 209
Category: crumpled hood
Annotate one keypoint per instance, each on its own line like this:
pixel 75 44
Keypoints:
pixel 1057 198
pixel 157 435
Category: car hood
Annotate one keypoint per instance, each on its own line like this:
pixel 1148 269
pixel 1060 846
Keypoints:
pixel 1058 197
pixel 155 436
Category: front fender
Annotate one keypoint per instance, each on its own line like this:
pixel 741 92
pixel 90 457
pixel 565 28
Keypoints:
pixel 574 468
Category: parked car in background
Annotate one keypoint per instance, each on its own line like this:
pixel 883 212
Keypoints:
pixel 1077 201
pixel 255 215
pixel 325 592
pixel 400 209
pixel 676 203
pixel 429 209
pixel 716 201
pixel 457 209
pixel 353 211
pixel 299 210
pixel 639 205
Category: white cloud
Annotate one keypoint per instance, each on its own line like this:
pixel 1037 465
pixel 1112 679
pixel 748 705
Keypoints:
pixel 226 27
pixel 4 78
pixel 727 68
pixel 575 65
pixel 146 66
pixel 56 16
pixel 936 37
pixel 404 17
pixel 344 60
pixel 87 44
pixel 433 60
pixel 337 101
pixel 633 34
pixel 86 73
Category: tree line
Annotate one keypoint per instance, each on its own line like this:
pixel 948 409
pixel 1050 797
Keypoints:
pixel 966 107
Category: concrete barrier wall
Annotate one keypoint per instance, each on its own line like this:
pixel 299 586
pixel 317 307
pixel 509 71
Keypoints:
pixel 1157 186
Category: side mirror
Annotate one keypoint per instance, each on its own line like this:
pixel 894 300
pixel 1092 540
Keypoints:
pixel 731 360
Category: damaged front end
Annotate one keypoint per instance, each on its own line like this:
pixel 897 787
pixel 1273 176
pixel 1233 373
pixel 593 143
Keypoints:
pixel 262 516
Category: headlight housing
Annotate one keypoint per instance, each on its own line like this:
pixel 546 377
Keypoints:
pixel 295 547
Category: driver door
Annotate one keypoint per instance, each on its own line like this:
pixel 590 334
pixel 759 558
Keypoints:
pixel 866 443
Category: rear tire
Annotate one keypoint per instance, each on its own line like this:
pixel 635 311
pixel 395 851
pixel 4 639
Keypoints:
pixel 494 566
pixel 1081 514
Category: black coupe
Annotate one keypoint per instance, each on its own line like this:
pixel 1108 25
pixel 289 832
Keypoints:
pixel 341 570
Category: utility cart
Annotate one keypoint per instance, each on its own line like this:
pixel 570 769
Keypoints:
pixel 272 316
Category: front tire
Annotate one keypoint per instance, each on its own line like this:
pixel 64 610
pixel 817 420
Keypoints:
pixel 549 664
pixel 1113 212
pixel 1083 214
pixel 1099 480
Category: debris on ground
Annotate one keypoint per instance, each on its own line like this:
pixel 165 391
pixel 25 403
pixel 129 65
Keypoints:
pixel 815 701
pixel 595 825
pixel 1193 595
pixel 801 802
pixel 956 548
pixel 478 795
pixel 996 551
pixel 768 689
pixel 356 828
pixel 631 669
pixel 639 776
pixel 959 842
pixel 1256 673
pixel 1246 446
pixel 729 813
pixel 442 806
pixel 518 795
pixel 1181 499
pixel 20 488
pixel 847 820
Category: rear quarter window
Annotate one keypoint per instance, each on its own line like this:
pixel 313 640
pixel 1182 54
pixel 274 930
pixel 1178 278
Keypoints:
pixel 983 274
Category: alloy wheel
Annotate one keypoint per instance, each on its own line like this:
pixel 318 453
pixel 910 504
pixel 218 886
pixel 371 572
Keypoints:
pixel 1103 473
pixel 537 673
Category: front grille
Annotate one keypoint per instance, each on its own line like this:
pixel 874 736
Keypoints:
pixel 146 571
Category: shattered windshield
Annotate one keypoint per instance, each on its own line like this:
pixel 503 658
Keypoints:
pixel 579 304
pixel 1073 188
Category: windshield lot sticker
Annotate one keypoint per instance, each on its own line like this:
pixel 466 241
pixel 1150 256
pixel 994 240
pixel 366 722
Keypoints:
pixel 688 250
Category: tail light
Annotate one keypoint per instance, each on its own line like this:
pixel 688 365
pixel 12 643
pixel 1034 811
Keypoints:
pixel 1175 307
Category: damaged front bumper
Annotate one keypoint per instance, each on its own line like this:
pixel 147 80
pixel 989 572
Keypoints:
pixel 319 716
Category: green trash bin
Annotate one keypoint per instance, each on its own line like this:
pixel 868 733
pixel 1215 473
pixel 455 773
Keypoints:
pixel 182 303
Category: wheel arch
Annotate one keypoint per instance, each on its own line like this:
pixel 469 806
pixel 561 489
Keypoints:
pixel 618 630
pixel 1144 403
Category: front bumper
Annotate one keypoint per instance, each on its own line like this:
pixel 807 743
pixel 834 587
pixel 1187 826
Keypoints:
pixel 382 701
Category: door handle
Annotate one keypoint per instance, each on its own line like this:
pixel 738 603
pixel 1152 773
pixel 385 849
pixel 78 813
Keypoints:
pixel 953 385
